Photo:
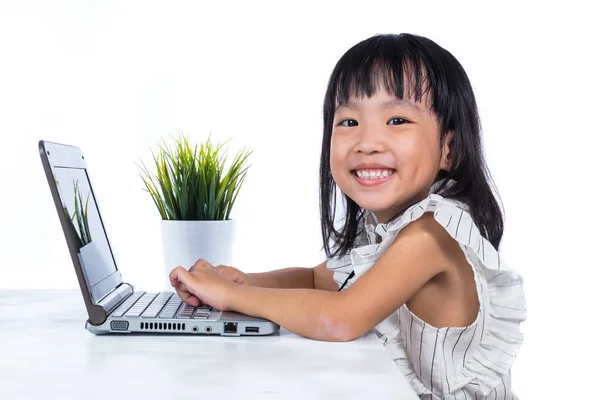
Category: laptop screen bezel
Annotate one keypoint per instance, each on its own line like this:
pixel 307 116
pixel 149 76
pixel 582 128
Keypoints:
pixel 55 156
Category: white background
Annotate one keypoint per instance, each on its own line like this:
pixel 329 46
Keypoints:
pixel 114 77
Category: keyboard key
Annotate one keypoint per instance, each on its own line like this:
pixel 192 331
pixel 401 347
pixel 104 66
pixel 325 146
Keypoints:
pixel 167 313
pixel 140 306
pixel 171 308
pixel 187 308
pixel 201 313
pixel 186 311
pixel 157 304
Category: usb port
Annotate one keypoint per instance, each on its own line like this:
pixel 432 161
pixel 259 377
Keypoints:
pixel 251 329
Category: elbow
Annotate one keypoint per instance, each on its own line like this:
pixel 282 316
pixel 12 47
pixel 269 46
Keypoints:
pixel 338 329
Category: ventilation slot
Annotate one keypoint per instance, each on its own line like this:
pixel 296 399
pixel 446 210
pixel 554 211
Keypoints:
pixel 153 326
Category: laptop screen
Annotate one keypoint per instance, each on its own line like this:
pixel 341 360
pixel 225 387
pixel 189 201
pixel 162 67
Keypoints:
pixel 85 225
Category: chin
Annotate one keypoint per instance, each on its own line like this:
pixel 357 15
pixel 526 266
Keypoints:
pixel 377 208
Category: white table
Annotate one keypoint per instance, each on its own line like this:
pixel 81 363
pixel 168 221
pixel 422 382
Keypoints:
pixel 46 353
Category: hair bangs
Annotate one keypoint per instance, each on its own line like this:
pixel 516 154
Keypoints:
pixel 383 65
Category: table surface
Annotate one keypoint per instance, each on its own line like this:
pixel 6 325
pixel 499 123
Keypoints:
pixel 45 352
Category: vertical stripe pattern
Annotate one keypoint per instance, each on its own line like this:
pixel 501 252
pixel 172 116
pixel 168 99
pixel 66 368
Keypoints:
pixel 449 362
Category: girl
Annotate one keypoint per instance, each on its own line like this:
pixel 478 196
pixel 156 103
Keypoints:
pixel 416 257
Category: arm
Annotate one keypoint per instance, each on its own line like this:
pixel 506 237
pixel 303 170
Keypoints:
pixel 286 278
pixel 318 277
pixel 418 254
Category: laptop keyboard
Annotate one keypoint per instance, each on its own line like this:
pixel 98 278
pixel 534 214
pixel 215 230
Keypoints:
pixel 165 305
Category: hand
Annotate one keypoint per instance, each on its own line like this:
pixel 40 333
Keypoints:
pixel 235 275
pixel 202 284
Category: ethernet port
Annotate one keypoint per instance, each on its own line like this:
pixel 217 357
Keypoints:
pixel 230 327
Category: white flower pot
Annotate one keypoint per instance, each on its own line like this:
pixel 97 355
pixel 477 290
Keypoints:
pixel 185 242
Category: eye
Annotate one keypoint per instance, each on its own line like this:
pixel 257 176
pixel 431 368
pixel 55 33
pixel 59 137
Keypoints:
pixel 397 121
pixel 348 122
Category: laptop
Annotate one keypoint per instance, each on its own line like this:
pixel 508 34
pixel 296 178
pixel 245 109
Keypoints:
pixel 113 305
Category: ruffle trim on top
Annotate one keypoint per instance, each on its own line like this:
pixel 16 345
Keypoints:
pixel 503 311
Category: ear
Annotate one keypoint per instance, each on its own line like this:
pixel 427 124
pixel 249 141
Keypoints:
pixel 447 155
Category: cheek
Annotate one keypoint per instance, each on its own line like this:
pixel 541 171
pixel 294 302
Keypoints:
pixel 337 161
pixel 415 152
pixel 335 154
pixel 336 166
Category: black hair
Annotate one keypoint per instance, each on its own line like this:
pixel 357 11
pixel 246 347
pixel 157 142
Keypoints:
pixel 390 61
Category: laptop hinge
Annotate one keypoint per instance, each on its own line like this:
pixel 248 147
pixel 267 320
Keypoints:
pixel 116 297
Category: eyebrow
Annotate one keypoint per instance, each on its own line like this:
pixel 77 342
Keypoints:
pixel 388 104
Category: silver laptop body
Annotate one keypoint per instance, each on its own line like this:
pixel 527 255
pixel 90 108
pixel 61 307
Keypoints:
pixel 113 306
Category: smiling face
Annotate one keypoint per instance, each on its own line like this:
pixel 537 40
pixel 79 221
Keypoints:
pixel 386 152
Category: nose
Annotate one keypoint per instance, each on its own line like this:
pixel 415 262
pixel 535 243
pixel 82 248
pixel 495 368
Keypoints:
pixel 369 140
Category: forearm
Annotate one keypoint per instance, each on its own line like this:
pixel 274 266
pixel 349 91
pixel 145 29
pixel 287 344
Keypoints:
pixel 316 314
pixel 287 278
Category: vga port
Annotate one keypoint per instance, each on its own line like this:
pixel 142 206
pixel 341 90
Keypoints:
pixel 119 325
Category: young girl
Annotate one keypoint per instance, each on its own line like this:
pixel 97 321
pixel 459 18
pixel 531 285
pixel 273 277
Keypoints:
pixel 416 257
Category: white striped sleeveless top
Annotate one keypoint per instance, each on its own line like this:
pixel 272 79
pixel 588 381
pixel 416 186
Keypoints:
pixel 449 363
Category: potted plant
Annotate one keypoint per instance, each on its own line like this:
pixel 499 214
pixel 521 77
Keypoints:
pixel 194 194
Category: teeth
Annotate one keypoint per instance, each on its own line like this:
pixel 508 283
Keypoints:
pixel 374 173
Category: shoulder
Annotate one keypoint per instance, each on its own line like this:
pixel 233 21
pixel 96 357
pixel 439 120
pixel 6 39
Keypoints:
pixel 428 238
pixel 425 225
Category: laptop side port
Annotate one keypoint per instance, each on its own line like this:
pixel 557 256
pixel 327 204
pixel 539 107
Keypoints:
pixel 251 329
pixel 119 325
pixel 230 327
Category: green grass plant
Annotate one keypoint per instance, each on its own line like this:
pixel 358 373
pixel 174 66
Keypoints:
pixel 78 222
pixel 191 183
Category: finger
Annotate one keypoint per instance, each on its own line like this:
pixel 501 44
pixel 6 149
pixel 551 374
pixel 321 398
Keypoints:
pixel 192 300
pixel 185 295
pixel 200 264
pixel 188 298
pixel 181 280
pixel 174 275
pixel 177 282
